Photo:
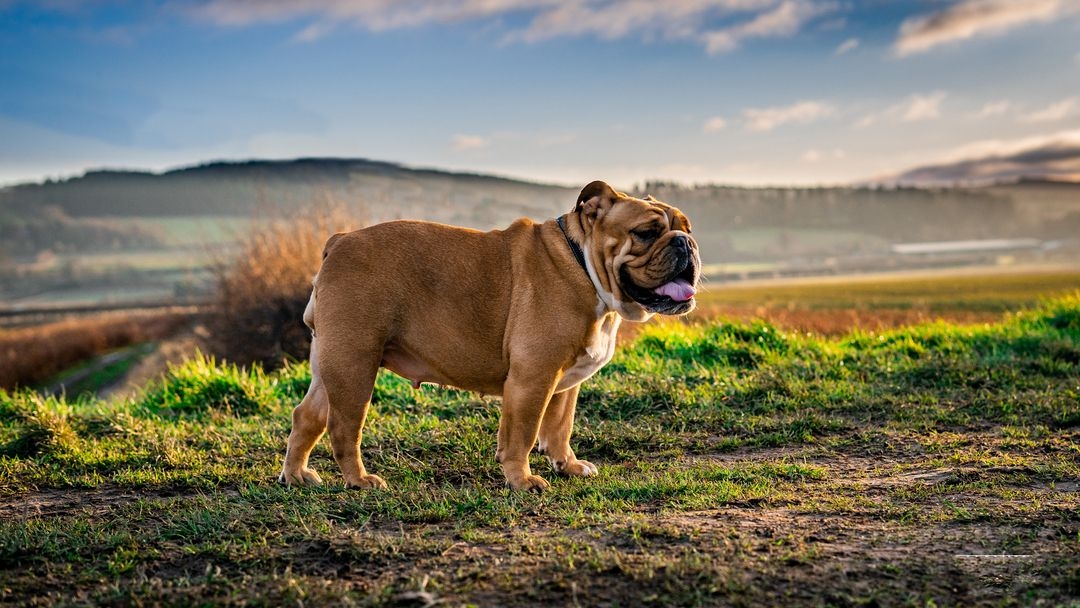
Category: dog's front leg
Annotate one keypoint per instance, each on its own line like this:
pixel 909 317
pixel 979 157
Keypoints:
pixel 555 431
pixel 524 401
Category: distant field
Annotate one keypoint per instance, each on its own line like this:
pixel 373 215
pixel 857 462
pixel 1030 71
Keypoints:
pixel 194 231
pixel 756 240
pixel 975 289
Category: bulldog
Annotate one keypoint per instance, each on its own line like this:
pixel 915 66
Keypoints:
pixel 528 313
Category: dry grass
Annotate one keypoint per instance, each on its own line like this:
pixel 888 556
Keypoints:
pixel 263 290
pixel 33 354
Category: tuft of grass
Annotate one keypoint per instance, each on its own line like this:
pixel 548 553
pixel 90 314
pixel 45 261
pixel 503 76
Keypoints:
pixel 37 426
pixel 200 387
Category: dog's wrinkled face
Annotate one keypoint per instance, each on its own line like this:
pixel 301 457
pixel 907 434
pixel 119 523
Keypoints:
pixel 640 253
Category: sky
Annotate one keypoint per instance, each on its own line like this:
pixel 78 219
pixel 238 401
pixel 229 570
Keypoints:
pixel 750 92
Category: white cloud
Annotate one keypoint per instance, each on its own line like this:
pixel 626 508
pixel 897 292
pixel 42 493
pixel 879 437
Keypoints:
pixel 973 18
pixel 785 20
pixel 516 139
pixel 810 156
pixel 689 20
pixel 464 143
pixel 993 108
pixel 915 108
pixel 714 124
pixel 847 46
pixel 922 107
pixel 767 119
pixel 1055 111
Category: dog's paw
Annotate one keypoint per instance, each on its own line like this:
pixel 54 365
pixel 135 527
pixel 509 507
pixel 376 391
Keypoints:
pixel 367 482
pixel 577 468
pixel 300 477
pixel 532 483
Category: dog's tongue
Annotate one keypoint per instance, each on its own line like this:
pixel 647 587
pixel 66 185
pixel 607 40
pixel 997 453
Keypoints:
pixel 679 290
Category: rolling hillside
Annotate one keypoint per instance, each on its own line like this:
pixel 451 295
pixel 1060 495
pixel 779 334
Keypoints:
pixel 155 233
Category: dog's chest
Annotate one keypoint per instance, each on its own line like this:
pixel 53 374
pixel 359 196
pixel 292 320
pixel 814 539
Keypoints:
pixel 596 353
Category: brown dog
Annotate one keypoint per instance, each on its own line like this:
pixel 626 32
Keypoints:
pixel 528 313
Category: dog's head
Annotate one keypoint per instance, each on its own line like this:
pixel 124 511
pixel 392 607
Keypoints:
pixel 639 253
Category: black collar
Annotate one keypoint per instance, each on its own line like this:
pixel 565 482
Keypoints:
pixel 574 247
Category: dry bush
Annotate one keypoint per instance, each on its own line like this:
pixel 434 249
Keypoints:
pixel 32 354
pixel 263 289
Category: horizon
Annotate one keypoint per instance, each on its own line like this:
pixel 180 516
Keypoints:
pixel 119 170
pixel 750 93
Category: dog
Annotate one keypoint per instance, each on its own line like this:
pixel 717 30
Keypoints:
pixel 528 313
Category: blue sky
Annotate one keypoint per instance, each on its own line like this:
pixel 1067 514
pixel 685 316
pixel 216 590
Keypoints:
pixel 733 91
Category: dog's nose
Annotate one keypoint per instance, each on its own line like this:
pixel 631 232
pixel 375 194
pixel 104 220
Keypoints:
pixel 680 242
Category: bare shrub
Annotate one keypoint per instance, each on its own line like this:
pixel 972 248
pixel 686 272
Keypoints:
pixel 263 289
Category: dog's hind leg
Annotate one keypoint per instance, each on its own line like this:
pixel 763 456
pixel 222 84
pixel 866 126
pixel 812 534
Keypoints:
pixel 349 384
pixel 555 430
pixel 309 423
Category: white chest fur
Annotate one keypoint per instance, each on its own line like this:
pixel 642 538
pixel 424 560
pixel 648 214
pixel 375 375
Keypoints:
pixel 597 352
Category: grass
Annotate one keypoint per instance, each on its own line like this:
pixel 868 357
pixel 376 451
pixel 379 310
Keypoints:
pixel 740 465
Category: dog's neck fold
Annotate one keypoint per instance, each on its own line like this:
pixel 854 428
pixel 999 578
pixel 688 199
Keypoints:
pixel 607 301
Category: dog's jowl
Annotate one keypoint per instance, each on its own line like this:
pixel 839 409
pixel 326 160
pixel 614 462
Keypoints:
pixel 528 312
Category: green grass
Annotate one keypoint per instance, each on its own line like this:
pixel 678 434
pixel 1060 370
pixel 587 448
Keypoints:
pixel 739 465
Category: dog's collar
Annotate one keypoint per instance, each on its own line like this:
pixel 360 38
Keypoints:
pixel 574 247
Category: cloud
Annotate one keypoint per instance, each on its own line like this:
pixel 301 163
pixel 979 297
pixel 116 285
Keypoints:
pixel 814 155
pixel 1055 111
pixel 847 46
pixel 785 20
pixel 714 124
pixel 683 20
pixel 915 108
pixel 1056 155
pixel 518 139
pixel 767 119
pixel 465 143
pixel 974 18
pixel 993 108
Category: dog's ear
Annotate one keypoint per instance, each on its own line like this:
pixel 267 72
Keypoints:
pixel 595 199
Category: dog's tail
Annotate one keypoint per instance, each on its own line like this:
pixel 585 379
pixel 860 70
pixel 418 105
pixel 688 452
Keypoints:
pixel 309 310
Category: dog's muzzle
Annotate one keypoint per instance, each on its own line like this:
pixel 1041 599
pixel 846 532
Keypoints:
pixel 674 296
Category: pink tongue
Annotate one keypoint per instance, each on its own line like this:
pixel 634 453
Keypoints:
pixel 679 290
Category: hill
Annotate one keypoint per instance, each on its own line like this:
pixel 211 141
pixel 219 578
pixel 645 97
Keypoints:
pixel 242 188
pixel 67 234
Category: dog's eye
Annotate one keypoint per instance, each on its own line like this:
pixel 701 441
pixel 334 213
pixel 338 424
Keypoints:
pixel 646 234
